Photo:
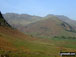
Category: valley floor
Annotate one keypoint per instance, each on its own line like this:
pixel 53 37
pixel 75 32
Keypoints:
pixel 35 47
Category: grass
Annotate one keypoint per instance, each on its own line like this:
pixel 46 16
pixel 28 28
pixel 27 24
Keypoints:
pixel 40 47
pixel 33 46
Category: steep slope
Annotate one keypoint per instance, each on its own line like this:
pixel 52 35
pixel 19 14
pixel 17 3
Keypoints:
pixel 6 33
pixel 16 44
pixel 18 20
pixel 3 21
pixel 49 26
pixel 67 20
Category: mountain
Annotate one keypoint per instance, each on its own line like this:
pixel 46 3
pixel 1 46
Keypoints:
pixel 18 20
pixel 40 25
pixel 67 20
pixel 8 35
pixel 13 43
pixel 49 26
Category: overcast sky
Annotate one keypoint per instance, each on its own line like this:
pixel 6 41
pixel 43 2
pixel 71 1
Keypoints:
pixel 40 7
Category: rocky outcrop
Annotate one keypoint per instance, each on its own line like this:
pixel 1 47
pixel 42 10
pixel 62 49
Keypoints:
pixel 3 22
pixel 67 27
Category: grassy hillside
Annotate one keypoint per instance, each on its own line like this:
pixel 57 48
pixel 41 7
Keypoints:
pixel 49 26
pixel 16 44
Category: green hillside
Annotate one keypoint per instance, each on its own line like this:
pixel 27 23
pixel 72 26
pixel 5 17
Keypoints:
pixel 16 44
pixel 20 45
pixel 49 26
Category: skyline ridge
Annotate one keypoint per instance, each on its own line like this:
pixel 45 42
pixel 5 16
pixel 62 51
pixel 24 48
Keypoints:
pixel 40 7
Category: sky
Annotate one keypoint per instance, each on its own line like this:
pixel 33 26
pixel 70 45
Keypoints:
pixel 40 7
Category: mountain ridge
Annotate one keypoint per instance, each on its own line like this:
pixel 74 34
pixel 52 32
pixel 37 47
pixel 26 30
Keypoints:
pixel 50 26
pixel 13 43
pixel 58 20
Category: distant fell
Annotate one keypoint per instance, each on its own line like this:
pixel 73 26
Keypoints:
pixel 49 26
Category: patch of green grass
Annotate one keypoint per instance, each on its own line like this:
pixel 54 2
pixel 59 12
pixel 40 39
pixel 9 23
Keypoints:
pixel 39 48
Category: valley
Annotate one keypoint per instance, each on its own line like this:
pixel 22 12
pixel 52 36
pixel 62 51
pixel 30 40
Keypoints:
pixel 42 38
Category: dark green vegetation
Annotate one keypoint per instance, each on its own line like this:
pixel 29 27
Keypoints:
pixel 59 36
pixel 2 21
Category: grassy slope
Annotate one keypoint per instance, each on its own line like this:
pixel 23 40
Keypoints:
pixel 48 26
pixel 20 45
pixel 16 44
